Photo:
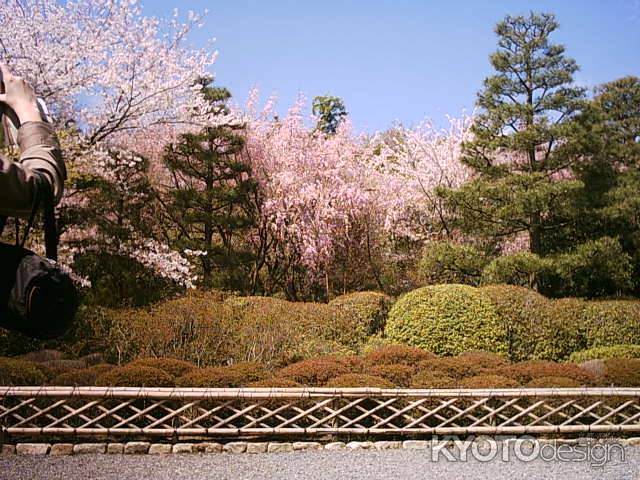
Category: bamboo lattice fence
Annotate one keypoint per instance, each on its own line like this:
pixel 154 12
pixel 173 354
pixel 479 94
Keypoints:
pixel 170 412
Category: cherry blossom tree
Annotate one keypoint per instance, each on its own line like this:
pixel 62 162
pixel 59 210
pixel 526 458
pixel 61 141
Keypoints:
pixel 329 201
pixel 113 75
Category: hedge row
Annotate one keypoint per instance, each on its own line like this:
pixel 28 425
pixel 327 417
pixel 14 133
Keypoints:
pixel 390 366
pixel 524 325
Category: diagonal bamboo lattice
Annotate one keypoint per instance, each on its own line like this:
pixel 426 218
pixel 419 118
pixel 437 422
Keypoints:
pixel 169 412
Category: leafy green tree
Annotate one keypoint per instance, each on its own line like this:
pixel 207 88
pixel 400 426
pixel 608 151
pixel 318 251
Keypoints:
pixel 525 138
pixel 210 205
pixel 448 262
pixel 330 112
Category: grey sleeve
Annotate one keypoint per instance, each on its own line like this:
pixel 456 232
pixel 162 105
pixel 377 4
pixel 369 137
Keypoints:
pixel 39 151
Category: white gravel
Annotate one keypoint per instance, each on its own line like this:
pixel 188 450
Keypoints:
pixel 305 465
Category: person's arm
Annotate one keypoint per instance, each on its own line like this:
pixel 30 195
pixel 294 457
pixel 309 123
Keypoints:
pixel 39 149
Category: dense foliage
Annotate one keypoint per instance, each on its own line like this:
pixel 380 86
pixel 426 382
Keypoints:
pixel 446 319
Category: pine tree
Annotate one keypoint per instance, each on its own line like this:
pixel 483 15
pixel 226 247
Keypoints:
pixel 524 139
pixel 330 111
pixel 210 203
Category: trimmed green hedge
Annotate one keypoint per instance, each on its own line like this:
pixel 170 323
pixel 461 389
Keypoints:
pixel 447 320
pixel 535 330
pixel 370 309
pixel 612 322
pixel 613 351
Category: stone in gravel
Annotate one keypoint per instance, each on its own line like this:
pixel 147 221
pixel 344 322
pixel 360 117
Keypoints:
pixel 115 448
pixel 8 449
pixel 183 448
pixel 207 447
pixel 307 446
pixel 257 447
pixel 32 448
pixel 385 445
pixel 277 447
pixel 89 448
pixel 61 449
pixel 415 444
pixel 136 448
pixel 160 448
pixel 335 446
pixel 633 441
pixel 360 445
pixel 235 447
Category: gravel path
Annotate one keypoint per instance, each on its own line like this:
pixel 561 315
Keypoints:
pixel 388 464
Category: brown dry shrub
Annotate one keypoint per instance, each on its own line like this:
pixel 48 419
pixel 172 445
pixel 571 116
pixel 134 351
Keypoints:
pixel 14 371
pixel 172 366
pixel 398 374
pixel 524 372
pixel 488 381
pixel 196 328
pixel 553 382
pixel 250 371
pixel 464 365
pixel 313 371
pixel 82 377
pixel 277 332
pixel 134 376
pixel 274 382
pixel 211 377
pixel 357 380
pixel 428 379
pixel 621 372
pixel 394 354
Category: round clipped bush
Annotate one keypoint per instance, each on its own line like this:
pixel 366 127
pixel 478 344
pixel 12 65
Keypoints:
pixel 524 372
pixel 14 371
pixel 356 380
pixel 314 371
pixel 447 320
pixel 553 382
pixel 249 371
pixel 484 360
pixel 135 376
pixel 621 372
pixel 81 377
pixel 612 322
pixel 392 354
pixel 369 308
pixel 534 328
pixel 213 377
pixel 274 382
pixel 172 366
pixel 429 379
pixel 488 381
pixel 467 364
pixel 613 351
pixel 398 374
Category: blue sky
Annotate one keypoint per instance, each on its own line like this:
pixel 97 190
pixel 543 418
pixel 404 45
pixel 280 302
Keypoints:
pixel 394 60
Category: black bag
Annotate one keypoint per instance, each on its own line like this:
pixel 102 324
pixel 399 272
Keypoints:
pixel 36 297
